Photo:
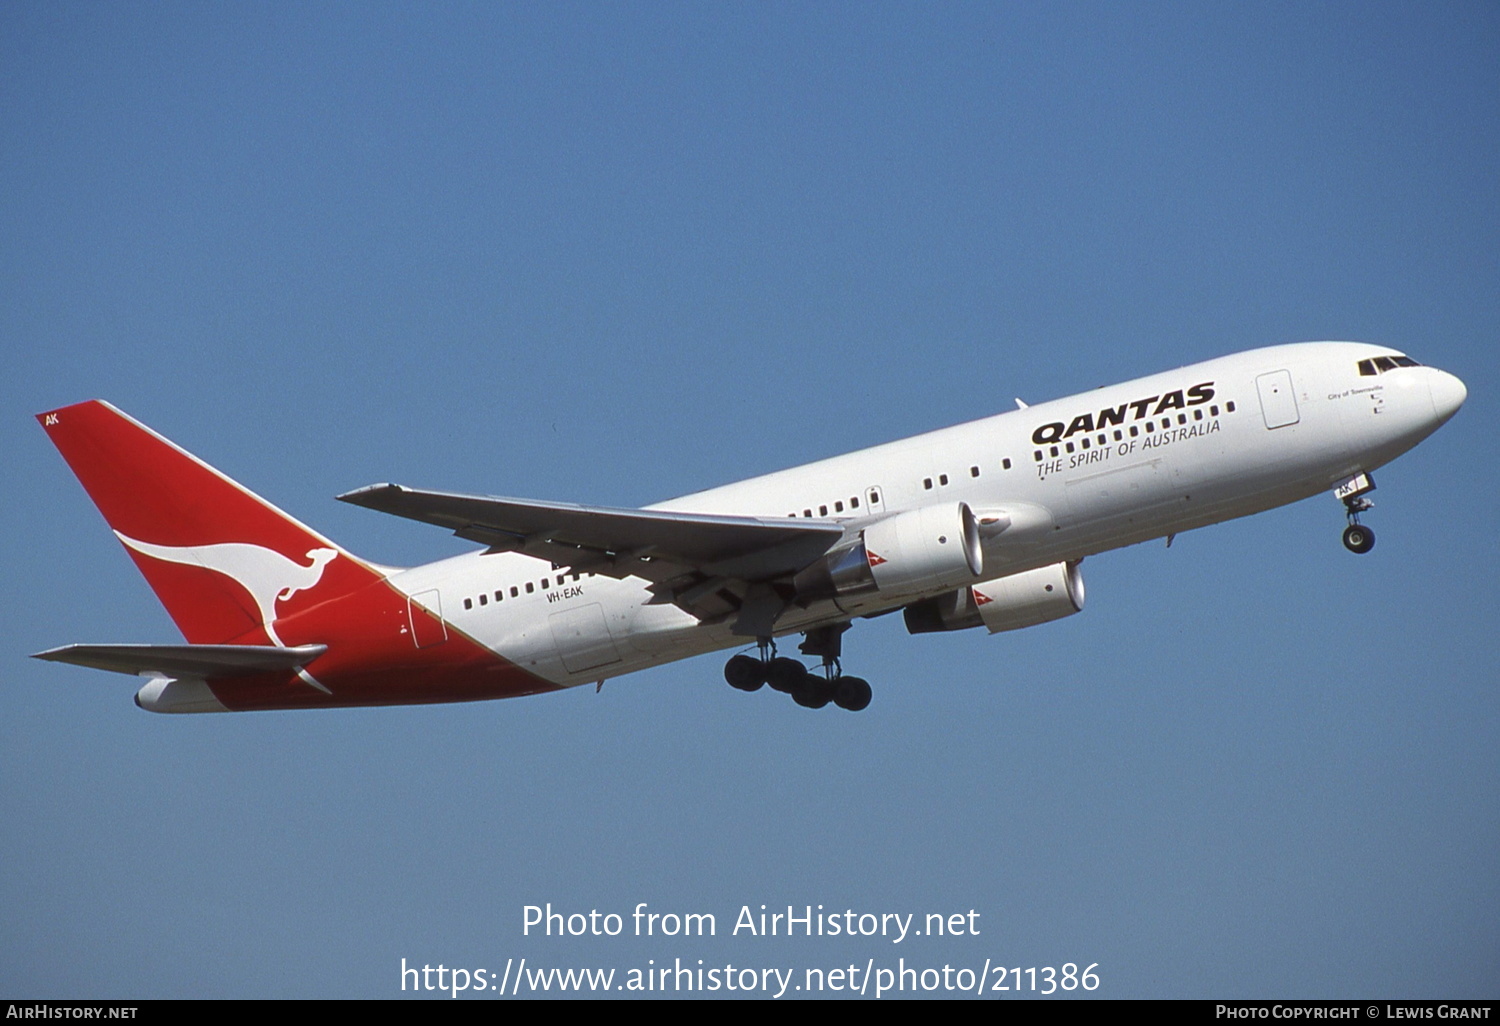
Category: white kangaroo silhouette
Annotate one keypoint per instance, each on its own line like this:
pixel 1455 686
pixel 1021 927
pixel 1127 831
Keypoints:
pixel 267 575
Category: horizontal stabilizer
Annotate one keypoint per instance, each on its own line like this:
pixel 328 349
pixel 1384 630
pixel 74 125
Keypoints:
pixel 199 661
pixel 619 540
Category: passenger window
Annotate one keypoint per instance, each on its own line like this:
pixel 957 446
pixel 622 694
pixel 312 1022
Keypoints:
pixel 468 603
pixel 530 588
pixel 942 479
pixel 484 600
pixel 838 507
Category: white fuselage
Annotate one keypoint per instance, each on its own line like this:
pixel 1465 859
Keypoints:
pixel 1074 477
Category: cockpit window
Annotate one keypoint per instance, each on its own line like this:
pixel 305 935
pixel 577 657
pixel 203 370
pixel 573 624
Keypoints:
pixel 1381 364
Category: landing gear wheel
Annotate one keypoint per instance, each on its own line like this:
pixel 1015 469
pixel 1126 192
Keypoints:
pixel 745 673
pixel 813 693
pixel 1359 538
pixel 785 675
pixel 852 693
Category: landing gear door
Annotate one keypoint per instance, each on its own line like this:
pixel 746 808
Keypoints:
pixel 1278 404
pixel 1354 488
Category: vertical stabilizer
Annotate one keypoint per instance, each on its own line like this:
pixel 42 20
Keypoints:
pixel 225 563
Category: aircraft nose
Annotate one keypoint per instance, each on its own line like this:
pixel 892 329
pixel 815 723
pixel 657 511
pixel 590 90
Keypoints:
pixel 1448 393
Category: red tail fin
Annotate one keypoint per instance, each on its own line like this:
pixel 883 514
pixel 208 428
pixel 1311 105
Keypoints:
pixel 225 563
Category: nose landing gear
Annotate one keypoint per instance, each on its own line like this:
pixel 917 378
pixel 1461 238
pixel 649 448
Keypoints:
pixel 1357 537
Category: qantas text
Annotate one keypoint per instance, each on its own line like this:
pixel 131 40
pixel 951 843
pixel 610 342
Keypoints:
pixel 1112 416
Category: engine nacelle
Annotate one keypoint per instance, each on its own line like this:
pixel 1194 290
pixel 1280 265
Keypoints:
pixel 1004 604
pixel 920 550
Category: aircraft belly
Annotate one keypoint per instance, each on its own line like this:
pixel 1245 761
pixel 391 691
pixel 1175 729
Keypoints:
pixel 583 638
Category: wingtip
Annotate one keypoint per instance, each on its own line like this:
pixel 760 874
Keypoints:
pixel 60 654
pixel 361 496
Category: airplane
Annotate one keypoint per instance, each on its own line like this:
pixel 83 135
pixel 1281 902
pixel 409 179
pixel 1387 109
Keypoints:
pixel 984 524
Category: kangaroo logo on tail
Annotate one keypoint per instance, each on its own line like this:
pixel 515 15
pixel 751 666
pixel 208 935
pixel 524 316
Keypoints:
pixel 267 575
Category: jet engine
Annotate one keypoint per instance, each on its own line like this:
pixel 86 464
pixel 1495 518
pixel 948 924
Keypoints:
pixel 1004 604
pixel 919 550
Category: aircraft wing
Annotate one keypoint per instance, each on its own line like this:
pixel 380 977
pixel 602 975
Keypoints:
pixel 201 661
pixel 707 563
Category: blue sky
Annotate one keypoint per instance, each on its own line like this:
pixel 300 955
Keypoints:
pixel 615 253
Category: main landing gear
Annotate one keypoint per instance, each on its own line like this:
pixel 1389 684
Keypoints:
pixel 789 676
pixel 1357 537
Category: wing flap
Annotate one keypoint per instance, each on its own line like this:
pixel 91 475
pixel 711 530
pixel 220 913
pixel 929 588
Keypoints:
pixel 197 661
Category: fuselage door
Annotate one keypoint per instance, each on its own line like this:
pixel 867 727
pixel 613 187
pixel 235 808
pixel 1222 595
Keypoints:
pixel 1278 404
pixel 424 613
pixel 874 499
